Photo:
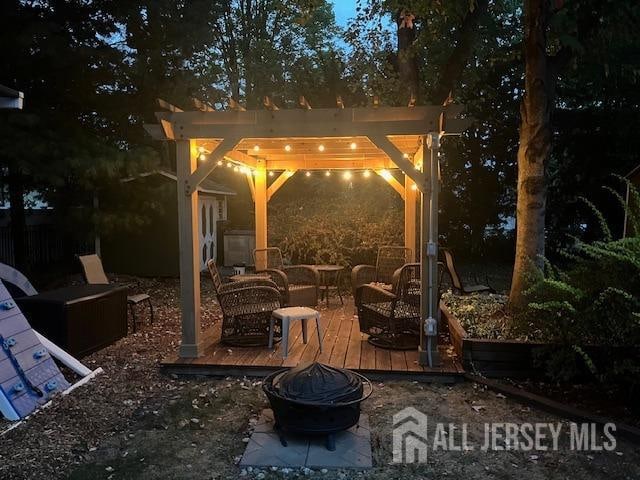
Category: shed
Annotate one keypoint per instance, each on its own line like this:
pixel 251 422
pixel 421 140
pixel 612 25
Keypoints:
pixel 154 249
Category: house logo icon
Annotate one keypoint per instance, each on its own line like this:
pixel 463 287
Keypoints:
pixel 410 443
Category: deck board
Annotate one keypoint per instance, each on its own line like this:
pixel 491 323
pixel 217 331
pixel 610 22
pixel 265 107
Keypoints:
pixel 343 346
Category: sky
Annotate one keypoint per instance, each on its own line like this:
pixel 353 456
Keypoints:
pixel 344 10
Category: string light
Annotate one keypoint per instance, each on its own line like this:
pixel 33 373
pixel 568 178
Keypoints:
pixel 219 162
pixel 414 187
pixel 385 174
pixel 201 149
pixel 405 155
pixel 366 174
pixel 353 145
pixel 202 157
pixel 229 164
pixel 347 175
pixel 287 148
pixel 307 174
pixel 244 169
pixel 256 148
pixel 271 173
pixel 236 169
pixel 327 173
pixel 321 147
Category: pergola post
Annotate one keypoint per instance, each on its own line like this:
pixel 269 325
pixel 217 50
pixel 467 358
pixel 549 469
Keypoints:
pixel 186 163
pixel 410 194
pixel 429 307
pixel 260 199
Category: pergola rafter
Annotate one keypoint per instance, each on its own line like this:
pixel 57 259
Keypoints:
pixel 378 139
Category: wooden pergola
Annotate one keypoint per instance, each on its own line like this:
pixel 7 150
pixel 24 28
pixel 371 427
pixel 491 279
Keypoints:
pixel 262 143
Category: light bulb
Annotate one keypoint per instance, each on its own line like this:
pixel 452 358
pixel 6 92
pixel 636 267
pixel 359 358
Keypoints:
pixel 307 174
pixel 271 173
pixel 202 157
pixel 287 148
pixel 405 155
pixel 200 149
pixel 235 169
pixel 366 174
pixel 346 175
pixel 321 147
pixel 256 148
pixel 353 145
pixel 219 162
pixel 229 165
pixel 414 187
pixel 385 174
pixel 327 173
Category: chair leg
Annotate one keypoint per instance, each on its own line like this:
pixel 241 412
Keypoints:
pixel 304 330
pixel 133 317
pixel 271 327
pixel 284 345
pixel 319 331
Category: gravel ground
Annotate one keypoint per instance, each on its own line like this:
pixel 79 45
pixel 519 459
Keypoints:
pixel 135 422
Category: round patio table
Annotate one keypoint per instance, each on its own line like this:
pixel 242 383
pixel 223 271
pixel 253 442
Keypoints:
pixel 330 276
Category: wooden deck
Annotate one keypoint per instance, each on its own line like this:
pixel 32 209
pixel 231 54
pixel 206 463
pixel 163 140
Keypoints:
pixel 343 346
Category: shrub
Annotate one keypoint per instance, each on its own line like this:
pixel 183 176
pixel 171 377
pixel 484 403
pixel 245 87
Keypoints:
pixel 590 310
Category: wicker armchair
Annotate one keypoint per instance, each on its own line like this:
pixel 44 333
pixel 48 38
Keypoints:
pixel 389 259
pixel 391 318
pixel 246 309
pixel 298 284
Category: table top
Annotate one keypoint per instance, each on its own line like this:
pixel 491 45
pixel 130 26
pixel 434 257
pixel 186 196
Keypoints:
pixel 328 268
pixel 73 293
pixel 249 276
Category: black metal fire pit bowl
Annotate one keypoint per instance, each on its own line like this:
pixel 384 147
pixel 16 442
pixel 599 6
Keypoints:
pixel 315 400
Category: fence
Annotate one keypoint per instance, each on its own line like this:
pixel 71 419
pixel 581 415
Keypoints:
pixel 46 245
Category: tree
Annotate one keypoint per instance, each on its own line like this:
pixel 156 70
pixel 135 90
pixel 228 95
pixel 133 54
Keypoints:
pixel 555 34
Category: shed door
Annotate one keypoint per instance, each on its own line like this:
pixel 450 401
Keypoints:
pixel 207 215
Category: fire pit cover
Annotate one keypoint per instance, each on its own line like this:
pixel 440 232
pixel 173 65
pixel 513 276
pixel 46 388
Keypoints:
pixel 320 384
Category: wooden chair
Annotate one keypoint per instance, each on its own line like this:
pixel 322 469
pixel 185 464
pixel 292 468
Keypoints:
pixel 388 260
pixel 93 273
pixel 298 284
pixel 391 318
pixel 247 306
pixel 456 282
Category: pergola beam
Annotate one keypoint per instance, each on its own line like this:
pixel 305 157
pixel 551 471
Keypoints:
pixel 205 168
pixel 252 186
pixel 391 180
pixel 279 182
pixel 168 106
pixel 321 122
pixel 384 144
pixel 331 164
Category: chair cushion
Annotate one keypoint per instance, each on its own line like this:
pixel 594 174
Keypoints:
pixel 141 297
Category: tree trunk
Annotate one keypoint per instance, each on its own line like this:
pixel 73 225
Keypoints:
pixel 534 149
pixel 18 220
pixel 407 62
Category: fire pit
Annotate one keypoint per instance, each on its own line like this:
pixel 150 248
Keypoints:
pixel 315 400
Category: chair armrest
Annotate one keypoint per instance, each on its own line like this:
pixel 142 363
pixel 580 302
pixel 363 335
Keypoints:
pixel 302 275
pixel 362 274
pixel 264 298
pixel 259 282
pixel 373 294
pixel 278 277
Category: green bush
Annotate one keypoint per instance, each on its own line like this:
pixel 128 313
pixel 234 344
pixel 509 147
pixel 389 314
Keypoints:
pixel 590 310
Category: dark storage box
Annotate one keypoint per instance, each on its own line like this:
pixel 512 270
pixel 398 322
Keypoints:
pixel 80 319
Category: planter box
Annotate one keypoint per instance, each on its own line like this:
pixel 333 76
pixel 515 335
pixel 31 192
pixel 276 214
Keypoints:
pixel 492 358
